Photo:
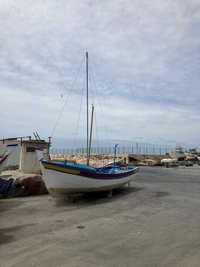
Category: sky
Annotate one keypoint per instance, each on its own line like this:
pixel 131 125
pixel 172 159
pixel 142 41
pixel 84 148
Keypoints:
pixel 144 69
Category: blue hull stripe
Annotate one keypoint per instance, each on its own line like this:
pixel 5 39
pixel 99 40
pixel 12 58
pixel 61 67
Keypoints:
pixel 89 172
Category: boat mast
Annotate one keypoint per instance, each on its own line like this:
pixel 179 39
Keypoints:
pixel 90 142
pixel 87 108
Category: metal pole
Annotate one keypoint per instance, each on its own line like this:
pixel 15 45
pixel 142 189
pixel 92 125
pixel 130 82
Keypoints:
pixel 87 108
pixel 91 126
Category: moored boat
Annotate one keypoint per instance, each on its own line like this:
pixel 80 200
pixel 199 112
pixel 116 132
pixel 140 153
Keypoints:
pixel 69 178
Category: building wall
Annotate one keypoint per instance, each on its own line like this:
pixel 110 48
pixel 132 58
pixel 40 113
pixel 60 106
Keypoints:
pixel 3 150
pixel 22 154
pixel 28 161
pixel 14 154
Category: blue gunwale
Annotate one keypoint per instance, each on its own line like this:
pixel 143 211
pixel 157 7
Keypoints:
pixel 107 172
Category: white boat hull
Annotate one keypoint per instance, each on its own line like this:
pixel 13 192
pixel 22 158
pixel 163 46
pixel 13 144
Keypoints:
pixel 65 183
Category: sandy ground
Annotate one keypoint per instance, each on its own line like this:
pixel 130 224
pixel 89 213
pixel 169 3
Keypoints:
pixel 154 223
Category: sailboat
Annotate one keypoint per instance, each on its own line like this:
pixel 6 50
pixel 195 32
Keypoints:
pixel 69 178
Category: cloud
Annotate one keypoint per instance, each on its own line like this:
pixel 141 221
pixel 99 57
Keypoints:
pixel 144 63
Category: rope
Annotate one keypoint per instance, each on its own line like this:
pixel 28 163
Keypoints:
pixel 105 129
pixel 66 100
pixel 76 134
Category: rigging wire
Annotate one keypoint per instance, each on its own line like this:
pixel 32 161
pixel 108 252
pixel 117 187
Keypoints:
pixel 94 103
pixel 96 130
pixel 105 129
pixel 66 100
pixel 77 128
pixel 76 134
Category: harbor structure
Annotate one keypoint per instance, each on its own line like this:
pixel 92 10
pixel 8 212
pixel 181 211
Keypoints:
pixel 22 153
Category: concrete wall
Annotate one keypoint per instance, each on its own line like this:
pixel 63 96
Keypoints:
pixel 3 150
pixel 28 161
pixel 23 155
pixel 14 155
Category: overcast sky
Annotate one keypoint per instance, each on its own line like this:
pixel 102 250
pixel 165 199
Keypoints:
pixel 144 59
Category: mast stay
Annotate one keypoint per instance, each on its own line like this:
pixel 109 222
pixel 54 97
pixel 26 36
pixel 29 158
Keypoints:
pixel 90 141
pixel 86 55
pixel 89 138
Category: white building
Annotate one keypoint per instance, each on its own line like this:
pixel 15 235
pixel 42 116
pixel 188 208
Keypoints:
pixel 22 153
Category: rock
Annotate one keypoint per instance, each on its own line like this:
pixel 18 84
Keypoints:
pixel 32 185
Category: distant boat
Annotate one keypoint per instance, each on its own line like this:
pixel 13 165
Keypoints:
pixel 68 178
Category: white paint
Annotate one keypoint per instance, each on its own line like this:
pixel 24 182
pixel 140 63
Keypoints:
pixel 29 162
pixel 14 156
pixel 70 183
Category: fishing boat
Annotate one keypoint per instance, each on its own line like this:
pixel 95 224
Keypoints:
pixel 69 177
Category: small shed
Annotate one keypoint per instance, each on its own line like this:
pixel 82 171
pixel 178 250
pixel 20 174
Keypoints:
pixel 23 153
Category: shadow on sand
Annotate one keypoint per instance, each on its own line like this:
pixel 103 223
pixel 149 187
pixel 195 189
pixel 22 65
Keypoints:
pixel 94 198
